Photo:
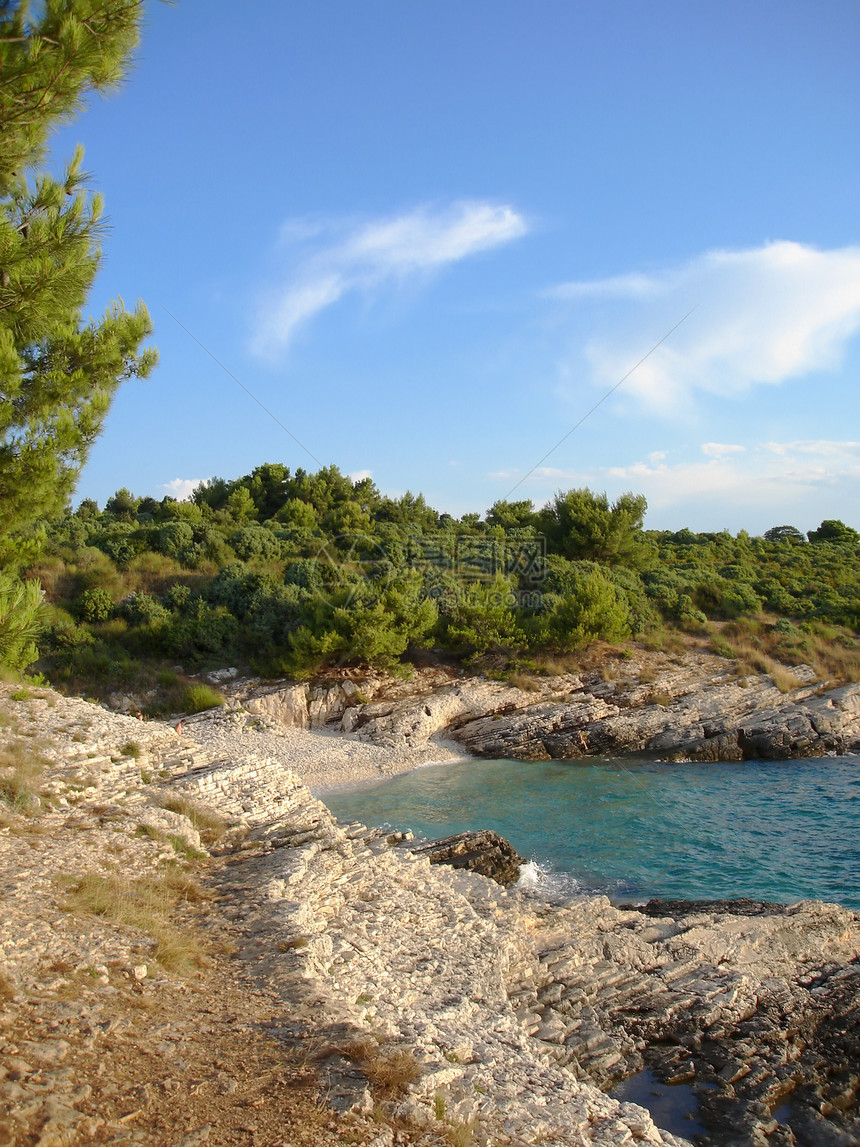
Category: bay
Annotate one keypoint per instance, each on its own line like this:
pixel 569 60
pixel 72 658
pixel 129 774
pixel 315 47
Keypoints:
pixel 633 829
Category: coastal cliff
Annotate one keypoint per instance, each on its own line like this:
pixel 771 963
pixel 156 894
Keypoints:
pixel 438 1006
pixel 696 707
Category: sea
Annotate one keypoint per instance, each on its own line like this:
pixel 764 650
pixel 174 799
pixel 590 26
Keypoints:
pixel 634 829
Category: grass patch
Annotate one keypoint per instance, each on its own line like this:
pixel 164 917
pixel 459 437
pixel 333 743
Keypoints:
pixel 208 823
pixel 391 1071
pixel 145 904
pixel 182 848
pixel 660 697
pixel 523 682
pixel 131 749
pixel 461 1134
pixel 771 645
pixel 197 698
pixel 20 770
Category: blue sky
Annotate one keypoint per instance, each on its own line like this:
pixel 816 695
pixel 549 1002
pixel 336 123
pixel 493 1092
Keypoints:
pixel 429 238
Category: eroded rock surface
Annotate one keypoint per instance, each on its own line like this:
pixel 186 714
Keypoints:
pixel 502 995
pixel 518 1014
pixel 694 708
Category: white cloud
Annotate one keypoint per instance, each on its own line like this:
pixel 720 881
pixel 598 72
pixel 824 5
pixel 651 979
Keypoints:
pixel 720 449
pixel 372 254
pixel 360 475
pixel 181 488
pixel 762 316
pixel 804 480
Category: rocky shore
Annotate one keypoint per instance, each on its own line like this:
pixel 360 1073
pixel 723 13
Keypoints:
pixel 439 1006
pixel 694 707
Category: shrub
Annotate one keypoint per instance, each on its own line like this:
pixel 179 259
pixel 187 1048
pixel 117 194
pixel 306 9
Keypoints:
pixel 141 609
pixel 94 604
pixel 482 619
pixel 595 610
pixel 255 542
pixel 174 538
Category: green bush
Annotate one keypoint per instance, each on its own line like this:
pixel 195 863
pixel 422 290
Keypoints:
pixel 94 604
pixel 143 609
pixel 595 610
pixel 483 619
pixel 254 542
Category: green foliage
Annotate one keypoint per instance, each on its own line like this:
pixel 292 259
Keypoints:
pixel 581 524
pixel 784 534
pixel 94 604
pixel 339 575
pixel 174 539
pixel 832 530
pixel 362 623
pixel 58 373
pixel 22 619
pixel 254 542
pixel 143 609
pixel 196 698
pixel 593 608
pixel 483 619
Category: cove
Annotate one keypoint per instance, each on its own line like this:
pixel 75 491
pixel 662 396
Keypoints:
pixel 634 829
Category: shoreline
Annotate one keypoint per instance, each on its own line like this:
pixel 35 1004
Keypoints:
pixel 514 1016
pixel 325 760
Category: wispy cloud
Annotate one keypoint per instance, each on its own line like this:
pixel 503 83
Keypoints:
pixel 763 316
pixel 720 449
pixel 341 259
pixel 747 483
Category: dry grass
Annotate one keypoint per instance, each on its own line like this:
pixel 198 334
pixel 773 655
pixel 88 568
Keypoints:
pixel 461 1134
pixel 660 697
pixel 771 645
pixel 146 904
pixel 389 1070
pixel 20 770
pixel 393 1072
pixel 208 823
pixel 7 991
pixel 524 682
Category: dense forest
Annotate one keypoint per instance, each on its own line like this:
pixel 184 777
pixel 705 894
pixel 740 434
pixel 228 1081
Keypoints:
pixel 292 573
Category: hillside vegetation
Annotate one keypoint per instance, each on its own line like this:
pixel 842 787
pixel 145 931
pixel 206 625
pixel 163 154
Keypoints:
pixel 296 574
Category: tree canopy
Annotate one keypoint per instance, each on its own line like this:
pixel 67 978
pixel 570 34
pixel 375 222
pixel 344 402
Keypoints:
pixel 58 369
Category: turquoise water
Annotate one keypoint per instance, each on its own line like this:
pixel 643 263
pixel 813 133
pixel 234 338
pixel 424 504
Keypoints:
pixel 774 830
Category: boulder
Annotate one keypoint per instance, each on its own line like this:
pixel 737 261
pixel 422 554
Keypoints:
pixel 484 852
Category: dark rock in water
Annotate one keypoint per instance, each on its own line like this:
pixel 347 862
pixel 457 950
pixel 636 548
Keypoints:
pixel 484 852
pixel 743 906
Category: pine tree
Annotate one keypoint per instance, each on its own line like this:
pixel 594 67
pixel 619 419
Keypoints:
pixel 58 370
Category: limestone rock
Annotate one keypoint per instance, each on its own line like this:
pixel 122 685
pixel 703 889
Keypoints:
pixel 484 852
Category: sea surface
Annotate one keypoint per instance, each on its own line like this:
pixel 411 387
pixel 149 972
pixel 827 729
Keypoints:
pixel 633 829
